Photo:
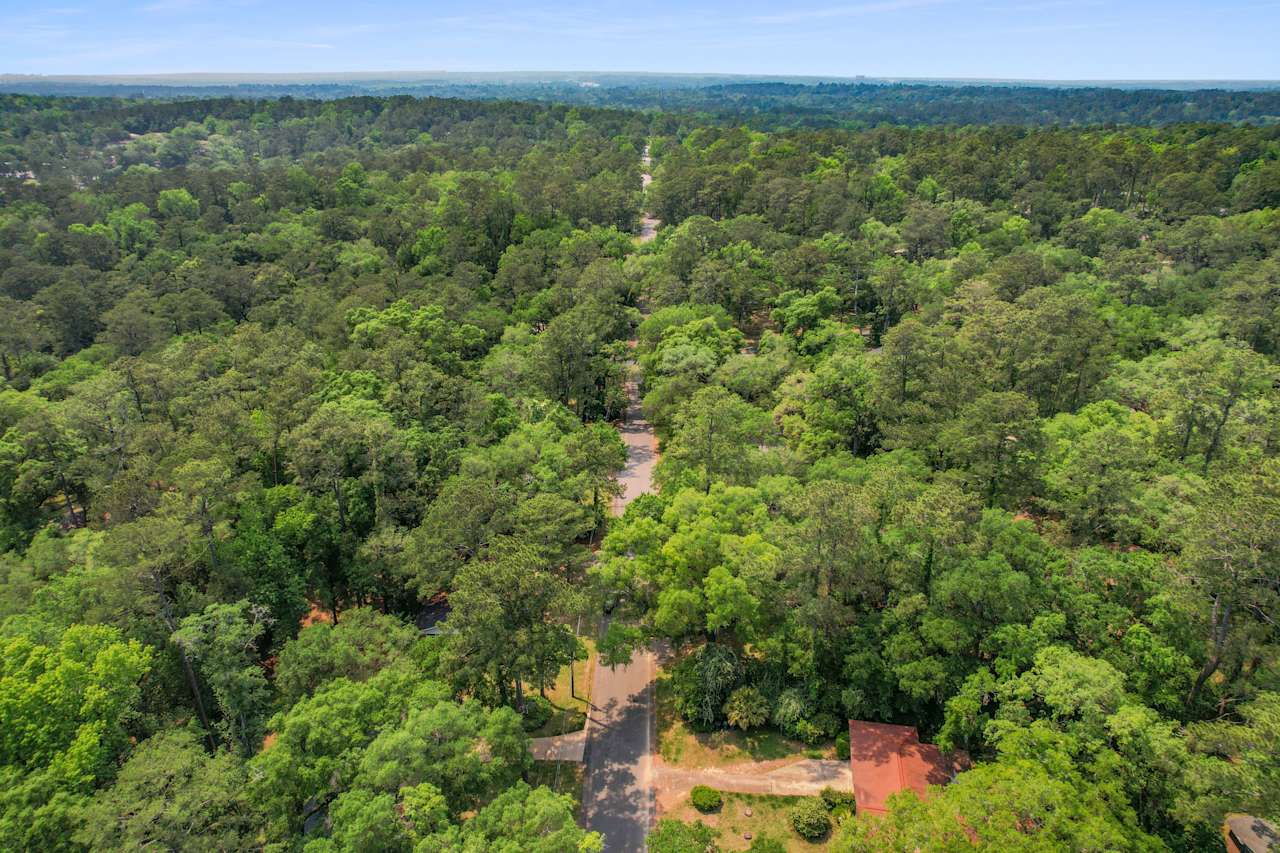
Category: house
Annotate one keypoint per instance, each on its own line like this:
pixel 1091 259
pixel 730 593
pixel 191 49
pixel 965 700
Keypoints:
pixel 1242 833
pixel 886 759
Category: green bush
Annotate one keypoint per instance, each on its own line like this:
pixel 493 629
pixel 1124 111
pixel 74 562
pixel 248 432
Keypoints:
pixel 842 745
pixel 765 844
pixel 672 836
pixel 746 708
pixel 537 711
pixel 705 799
pixel 840 803
pixel 807 731
pixel 789 710
pixel 702 682
pixel 810 819
pixel 829 724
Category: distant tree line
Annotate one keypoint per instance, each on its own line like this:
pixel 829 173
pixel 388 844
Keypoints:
pixel 770 105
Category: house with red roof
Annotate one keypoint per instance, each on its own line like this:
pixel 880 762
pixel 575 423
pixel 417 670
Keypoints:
pixel 886 759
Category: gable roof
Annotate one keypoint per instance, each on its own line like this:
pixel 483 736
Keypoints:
pixel 886 759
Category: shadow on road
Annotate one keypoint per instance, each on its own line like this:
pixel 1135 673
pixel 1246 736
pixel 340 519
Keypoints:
pixel 617 795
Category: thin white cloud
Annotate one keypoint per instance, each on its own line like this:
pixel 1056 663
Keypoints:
pixel 566 25
pixel 284 44
pixel 1032 29
pixel 325 31
pixel 172 5
pixel 843 11
pixel 41 33
pixel 114 52
pixel 167 6
pixel 1042 6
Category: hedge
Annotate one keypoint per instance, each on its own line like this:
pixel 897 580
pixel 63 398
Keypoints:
pixel 705 799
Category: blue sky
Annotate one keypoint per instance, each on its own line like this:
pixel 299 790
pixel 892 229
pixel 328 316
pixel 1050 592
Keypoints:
pixel 1043 39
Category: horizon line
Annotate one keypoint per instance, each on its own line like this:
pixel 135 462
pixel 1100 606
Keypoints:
pixel 396 75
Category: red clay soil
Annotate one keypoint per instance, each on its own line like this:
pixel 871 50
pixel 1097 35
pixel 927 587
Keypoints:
pixel 316 614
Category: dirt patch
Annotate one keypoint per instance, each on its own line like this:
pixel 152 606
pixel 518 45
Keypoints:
pixel 316 614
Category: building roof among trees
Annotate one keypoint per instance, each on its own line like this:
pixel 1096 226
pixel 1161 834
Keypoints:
pixel 1248 834
pixel 886 759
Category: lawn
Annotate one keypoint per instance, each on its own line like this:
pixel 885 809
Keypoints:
pixel 563 777
pixel 570 712
pixel 680 746
pixel 769 816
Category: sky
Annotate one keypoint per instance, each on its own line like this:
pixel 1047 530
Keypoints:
pixel 1013 39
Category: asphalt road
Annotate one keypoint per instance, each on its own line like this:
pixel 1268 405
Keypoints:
pixel 618 796
pixel 637 435
pixel 618 799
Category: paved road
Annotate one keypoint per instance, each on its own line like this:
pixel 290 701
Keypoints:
pixel 618 797
pixel 648 224
pixel 618 800
pixel 648 228
pixel 642 454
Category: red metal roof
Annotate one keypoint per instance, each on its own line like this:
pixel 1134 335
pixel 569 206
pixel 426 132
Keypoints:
pixel 886 759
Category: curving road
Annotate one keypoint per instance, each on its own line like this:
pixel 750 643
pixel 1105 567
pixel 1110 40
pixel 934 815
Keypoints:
pixel 618 799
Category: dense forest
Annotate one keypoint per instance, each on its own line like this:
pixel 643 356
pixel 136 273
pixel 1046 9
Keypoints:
pixel 762 104
pixel 969 428
pixel 770 105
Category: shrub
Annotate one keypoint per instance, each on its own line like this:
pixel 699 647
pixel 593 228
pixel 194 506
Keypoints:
pixel 829 724
pixel 810 819
pixel 746 708
pixel 842 745
pixel 807 731
pixel 705 799
pixel 841 802
pixel 790 709
pixel 702 683
pixel 672 836
pixel 537 711
pixel 765 844
pixel 796 716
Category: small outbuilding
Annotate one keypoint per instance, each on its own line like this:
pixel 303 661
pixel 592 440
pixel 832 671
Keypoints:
pixel 1242 833
pixel 886 759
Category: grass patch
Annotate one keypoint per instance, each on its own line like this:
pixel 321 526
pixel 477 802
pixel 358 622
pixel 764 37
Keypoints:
pixel 570 711
pixel 563 777
pixel 770 815
pixel 681 746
